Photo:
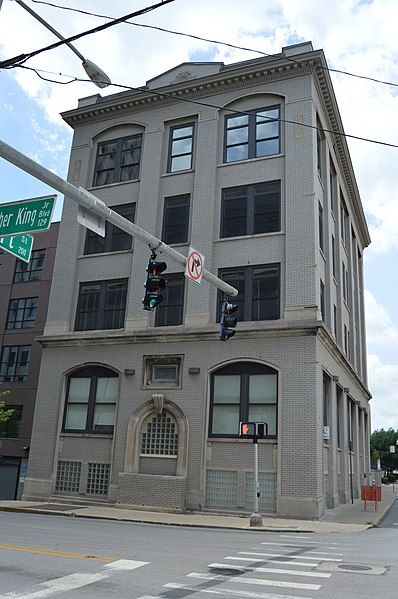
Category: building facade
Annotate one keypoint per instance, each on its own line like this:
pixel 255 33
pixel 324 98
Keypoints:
pixel 141 408
pixel 24 291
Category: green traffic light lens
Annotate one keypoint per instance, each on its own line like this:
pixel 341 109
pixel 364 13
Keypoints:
pixel 153 303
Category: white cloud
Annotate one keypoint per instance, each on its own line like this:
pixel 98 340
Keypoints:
pixel 383 382
pixel 380 330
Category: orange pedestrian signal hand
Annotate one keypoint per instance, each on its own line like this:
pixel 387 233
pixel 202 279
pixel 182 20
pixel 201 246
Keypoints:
pixel 245 428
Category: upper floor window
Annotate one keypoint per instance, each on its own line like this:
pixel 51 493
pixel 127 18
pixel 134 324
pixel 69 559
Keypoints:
pixel 170 311
pixel 344 224
pixel 322 297
pixel 32 270
pixel 101 305
pixel 180 148
pixel 258 291
pixel 344 275
pixel 176 219
pixel 251 209
pixel 333 185
pixel 91 398
pixel 22 313
pixel 162 371
pixel 10 428
pixel 243 391
pixel 320 220
pixel 252 135
pixel 333 256
pixel 118 160
pixel 14 363
pixel 115 239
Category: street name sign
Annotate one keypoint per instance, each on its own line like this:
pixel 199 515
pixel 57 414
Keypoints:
pixel 18 245
pixel 26 216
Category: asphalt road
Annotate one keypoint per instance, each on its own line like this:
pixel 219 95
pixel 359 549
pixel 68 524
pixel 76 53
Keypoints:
pixel 47 556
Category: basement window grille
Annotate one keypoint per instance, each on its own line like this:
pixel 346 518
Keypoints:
pixel 68 477
pixel 160 436
pixel 98 479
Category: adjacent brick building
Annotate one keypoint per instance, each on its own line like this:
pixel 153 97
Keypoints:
pixel 24 291
pixel 142 409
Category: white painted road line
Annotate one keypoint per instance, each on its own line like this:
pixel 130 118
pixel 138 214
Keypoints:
pixel 73 581
pixel 297 544
pixel 313 558
pixel 270 570
pixel 174 585
pixel 272 561
pixel 395 523
pixel 322 553
pixel 259 581
pixel 293 537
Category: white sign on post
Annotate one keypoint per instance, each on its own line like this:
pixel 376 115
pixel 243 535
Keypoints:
pixel 195 265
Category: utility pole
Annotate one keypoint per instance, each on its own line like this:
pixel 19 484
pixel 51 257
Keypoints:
pixel 96 206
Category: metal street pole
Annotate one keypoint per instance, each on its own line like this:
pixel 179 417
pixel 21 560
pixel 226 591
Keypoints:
pixel 255 518
pixel 96 206
pixel 96 74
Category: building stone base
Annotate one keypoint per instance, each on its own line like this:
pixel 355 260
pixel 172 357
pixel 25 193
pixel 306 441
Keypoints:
pixel 37 489
pixel 333 501
pixel 303 508
pixel 143 491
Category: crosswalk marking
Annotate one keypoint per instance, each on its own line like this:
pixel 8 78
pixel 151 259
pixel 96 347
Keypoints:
pixel 271 570
pixel 296 544
pixel 323 553
pixel 235 593
pixel 293 536
pixel 53 587
pixel 308 557
pixel 273 561
pixel 260 581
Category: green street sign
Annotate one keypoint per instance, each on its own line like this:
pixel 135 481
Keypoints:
pixel 18 245
pixel 26 216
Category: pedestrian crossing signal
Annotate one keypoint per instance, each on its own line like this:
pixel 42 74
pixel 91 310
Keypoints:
pixel 253 430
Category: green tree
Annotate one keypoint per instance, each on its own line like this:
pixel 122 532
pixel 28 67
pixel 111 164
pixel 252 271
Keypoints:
pixel 5 412
pixel 380 442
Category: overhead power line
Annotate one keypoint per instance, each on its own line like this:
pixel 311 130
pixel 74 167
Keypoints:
pixel 162 94
pixel 17 60
pixel 212 41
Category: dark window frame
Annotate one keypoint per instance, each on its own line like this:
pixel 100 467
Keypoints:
pixel 161 315
pixel 244 370
pixel 246 298
pixel 181 202
pixel 25 322
pixel 94 373
pixel 321 228
pixel 249 194
pixel 101 311
pixel 171 155
pixel 322 299
pixel 16 364
pixel 29 271
pixel 251 133
pixel 117 170
pixel 112 232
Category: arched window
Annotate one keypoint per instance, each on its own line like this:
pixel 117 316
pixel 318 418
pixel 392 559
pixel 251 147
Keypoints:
pixel 159 435
pixel 243 391
pixel 91 398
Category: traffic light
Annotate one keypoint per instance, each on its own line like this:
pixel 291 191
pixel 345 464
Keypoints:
pixel 252 430
pixel 154 284
pixel 227 321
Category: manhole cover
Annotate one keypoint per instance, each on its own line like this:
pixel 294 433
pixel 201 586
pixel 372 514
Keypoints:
pixel 353 567
pixel 226 571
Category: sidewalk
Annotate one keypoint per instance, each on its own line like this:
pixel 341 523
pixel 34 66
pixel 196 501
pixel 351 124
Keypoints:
pixel 346 518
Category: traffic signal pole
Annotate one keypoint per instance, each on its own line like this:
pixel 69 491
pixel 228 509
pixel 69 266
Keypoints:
pixel 96 206
pixel 255 518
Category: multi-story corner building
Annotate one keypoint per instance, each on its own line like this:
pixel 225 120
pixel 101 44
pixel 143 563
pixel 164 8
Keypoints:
pixel 24 293
pixel 142 409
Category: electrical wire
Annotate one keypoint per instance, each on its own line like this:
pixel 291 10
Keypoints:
pixel 212 41
pixel 161 94
pixel 17 60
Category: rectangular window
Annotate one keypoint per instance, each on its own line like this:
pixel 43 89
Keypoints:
pixel 10 429
pixel 251 209
pixel 335 321
pixel 326 390
pixel 22 313
pixel 101 305
pixel 115 239
pixel 118 160
pixel 344 274
pixel 162 371
pixel 320 219
pixel 344 224
pixel 180 148
pixel 252 135
pixel 32 270
pixel 176 219
pixel 333 256
pixel 322 298
pixel 332 185
pixel 14 363
pixel 170 311
pixel 258 291
pixel 345 340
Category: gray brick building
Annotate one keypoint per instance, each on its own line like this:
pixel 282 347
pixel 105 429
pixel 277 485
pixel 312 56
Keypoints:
pixel 142 409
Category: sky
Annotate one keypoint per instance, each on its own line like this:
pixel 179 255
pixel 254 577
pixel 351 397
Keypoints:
pixel 358 36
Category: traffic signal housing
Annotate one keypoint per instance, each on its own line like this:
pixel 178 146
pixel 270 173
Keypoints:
pixel 154 284
pixel 253 430
pixel 227 321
